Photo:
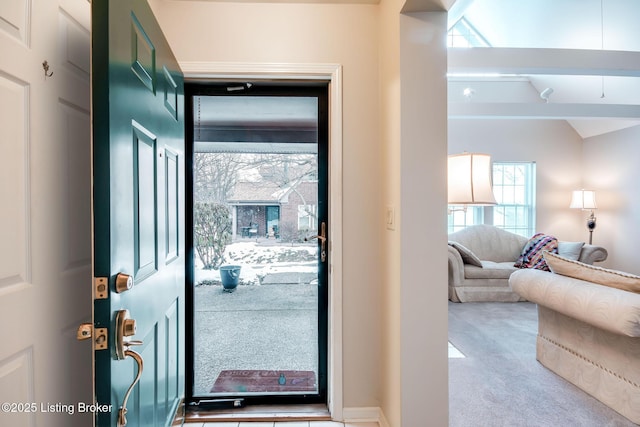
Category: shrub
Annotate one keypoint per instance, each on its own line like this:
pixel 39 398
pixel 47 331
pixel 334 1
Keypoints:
pixel 212 232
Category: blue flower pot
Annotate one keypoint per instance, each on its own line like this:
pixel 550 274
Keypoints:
pixel 229 275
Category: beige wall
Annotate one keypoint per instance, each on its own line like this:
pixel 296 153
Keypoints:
pixel 316 33
pixel 394 154
pixel 414 142
pixel 389 41
pixel 552 144
pixel 611 169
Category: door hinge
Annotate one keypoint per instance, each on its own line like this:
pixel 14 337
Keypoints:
pixel 100 288
pixel 86 331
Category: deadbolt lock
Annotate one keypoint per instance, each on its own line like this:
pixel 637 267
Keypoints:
pixel 124 282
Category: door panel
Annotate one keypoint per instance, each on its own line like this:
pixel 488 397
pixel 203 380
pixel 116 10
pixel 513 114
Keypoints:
pixel 138 141
pixel 45 241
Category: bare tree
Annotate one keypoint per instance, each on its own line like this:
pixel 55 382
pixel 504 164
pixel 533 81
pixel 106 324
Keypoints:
pixel 217 173
pixel 215 176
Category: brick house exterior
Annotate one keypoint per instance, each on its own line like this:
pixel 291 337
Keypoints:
pixel 262 209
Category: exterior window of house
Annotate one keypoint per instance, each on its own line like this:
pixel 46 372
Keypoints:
pixel 307 217
pixel 514 189
pixel 462 34
pixel 460 219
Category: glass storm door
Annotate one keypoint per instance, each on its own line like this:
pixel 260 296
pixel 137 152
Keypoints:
pixel 258 293
pixel 138 200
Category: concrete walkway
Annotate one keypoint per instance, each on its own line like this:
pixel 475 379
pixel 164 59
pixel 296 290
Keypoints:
pixel 273 326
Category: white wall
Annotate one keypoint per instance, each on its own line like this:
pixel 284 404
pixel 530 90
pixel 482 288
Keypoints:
pixel 611 169
pixel 423 195
pixel 395 314
pixel 604 163
pixel 553 145
pixel 344 34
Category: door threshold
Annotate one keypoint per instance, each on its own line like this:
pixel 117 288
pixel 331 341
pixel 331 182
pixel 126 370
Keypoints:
pixel 304 412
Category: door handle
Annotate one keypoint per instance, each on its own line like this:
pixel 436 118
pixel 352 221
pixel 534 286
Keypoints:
pixel 125 328
pixel 122 412
pixel 322 237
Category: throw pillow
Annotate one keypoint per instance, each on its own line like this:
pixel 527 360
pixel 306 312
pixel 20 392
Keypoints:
pixel 570 250
pixel 591 273
pixel 531 256
pixel 468 257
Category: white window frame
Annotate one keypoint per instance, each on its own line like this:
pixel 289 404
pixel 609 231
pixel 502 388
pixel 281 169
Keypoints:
pixel 514 186
pixel 516 209
pixel 464 35
pixel 307 217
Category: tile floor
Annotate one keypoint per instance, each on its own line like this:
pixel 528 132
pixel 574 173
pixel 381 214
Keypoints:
pixel 283 424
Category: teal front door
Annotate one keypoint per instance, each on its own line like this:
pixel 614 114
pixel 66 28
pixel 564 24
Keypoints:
pixel 138 217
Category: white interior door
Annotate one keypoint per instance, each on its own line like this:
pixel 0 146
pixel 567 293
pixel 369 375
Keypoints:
pixel 45 188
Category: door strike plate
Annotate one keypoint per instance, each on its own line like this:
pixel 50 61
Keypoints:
pixel 101 287
pixel 100 337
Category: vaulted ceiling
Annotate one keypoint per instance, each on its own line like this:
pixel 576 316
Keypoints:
pixel 587 52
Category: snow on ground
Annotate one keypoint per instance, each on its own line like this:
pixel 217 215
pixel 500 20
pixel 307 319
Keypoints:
pixel 259 259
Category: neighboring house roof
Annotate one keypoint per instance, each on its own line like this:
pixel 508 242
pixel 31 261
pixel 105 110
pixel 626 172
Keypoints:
pixel 262 192
pixel 255 193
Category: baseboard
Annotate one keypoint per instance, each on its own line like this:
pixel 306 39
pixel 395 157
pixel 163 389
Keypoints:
pixel 365 415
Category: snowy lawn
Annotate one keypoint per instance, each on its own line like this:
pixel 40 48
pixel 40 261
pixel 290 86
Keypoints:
pixel 259 260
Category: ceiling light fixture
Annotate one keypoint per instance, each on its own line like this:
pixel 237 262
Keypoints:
pixel 545 94
pixel 468 92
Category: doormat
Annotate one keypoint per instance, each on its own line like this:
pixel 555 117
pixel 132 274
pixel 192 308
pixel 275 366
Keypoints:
pixel 256 381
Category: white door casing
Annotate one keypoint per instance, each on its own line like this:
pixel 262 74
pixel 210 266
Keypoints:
pixel 333 73
pixel 45 213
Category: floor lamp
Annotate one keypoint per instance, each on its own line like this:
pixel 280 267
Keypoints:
pixel 585 200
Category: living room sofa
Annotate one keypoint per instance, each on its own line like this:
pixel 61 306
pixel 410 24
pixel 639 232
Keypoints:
pixel 588 333
pixel 482 257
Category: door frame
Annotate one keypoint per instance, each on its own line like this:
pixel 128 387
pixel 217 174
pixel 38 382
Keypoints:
pixel 203 71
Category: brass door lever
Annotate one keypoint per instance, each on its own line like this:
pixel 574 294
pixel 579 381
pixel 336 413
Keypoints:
pixel 126 328
pixel 322 237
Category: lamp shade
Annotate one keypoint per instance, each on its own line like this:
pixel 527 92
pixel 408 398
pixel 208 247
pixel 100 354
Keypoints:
pixel 583 199
pixel 470 179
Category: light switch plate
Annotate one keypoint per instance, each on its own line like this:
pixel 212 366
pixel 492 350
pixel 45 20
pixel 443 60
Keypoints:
pixel 391 218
